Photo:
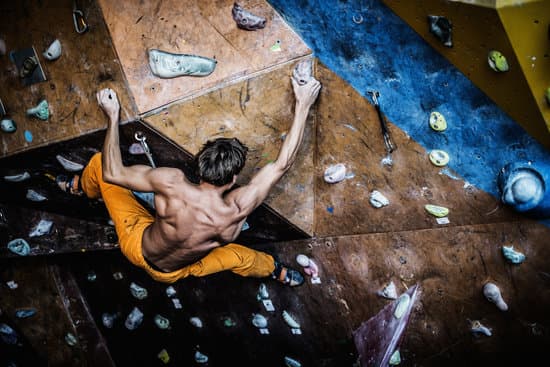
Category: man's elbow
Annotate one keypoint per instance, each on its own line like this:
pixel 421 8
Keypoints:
pixel 109 177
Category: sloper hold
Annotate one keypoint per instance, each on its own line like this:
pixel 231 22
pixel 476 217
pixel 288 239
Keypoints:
pixel 169 65
pixel 377 339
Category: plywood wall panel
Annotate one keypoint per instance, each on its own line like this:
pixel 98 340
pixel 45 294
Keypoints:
pixel 197 28
pixel 349 132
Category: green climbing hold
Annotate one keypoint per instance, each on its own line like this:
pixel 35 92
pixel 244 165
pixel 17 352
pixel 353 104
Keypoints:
pixel 395 358
pixel 41 111
pixel 402 305
pixel 497 61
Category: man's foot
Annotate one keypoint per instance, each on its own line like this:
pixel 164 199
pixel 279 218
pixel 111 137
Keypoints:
pixel 69 184
pixel 287 275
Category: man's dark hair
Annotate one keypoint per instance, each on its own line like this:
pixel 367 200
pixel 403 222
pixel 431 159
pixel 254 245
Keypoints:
pixel 219 160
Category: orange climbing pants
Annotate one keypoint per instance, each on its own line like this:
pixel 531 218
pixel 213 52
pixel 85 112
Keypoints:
pixel 131 219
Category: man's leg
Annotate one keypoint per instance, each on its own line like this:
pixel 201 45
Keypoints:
pixel 246 262
pixel 130 217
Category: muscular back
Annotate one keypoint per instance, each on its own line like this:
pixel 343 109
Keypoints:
pixel 190 221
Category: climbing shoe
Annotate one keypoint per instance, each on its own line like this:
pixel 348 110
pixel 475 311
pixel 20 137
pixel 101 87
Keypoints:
pixel 287 275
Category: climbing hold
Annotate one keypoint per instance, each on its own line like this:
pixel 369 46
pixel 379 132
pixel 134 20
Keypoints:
pixel 200 358
pixel 228 322
pixel 70 339
pixel 335 173
pixel 196 322
pixel 389 291
pixel 512 255
pixel 118 275
pixel 303 71
pixel 108 319
pixel 477 327
pixel 497 61
pixel 134 319
pixel 164 356
pixel 378 200
pixel 170 291
pixel 92 276
pixel 442 28
pixel 395 358
pixel 28 136
pixel 162 322
pixel 436 210
pixel 8 335
pixel 20 177
pixel 23 313
pixel 310 268
pixel 69 165
pixel 168 65
pixel 43 227
pixel 290 362
pixel 138 291
pixel 439 157
pixel 40 111
pixel 437 121
pixel 27 67
pixel 402 305
pixel 492 293
pixel 245 19
pixel 8 126
pixel 35 196
pixel 276 47
pixel 523 188
pixel 259 321
pixel 53 51
pixel 19 246
pixel 262 292
pixel 136 149
pixel 290 320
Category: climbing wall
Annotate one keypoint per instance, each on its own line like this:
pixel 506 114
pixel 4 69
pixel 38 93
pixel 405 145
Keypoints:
pixel 87 63
pixel 518 30
pixel 75 282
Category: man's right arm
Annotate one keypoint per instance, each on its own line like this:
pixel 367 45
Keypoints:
pixel 250 196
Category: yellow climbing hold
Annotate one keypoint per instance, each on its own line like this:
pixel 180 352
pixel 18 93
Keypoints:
pixel 439 158
pixel 437 121
pixel 164 356
pixel 436 210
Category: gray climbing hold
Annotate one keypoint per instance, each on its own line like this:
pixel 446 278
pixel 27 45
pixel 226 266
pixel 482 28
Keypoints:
pixel 168 65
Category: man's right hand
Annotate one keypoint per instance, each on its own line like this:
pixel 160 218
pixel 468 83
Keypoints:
pixel 306 94
pixel 108 101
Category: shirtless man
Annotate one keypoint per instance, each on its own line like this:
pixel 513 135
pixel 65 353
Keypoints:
pixel 194 225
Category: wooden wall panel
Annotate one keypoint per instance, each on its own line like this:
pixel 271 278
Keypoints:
pixel 349 132
pixel 197 28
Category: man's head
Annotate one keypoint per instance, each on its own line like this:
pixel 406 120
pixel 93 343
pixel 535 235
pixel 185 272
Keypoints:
pixel 220 160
